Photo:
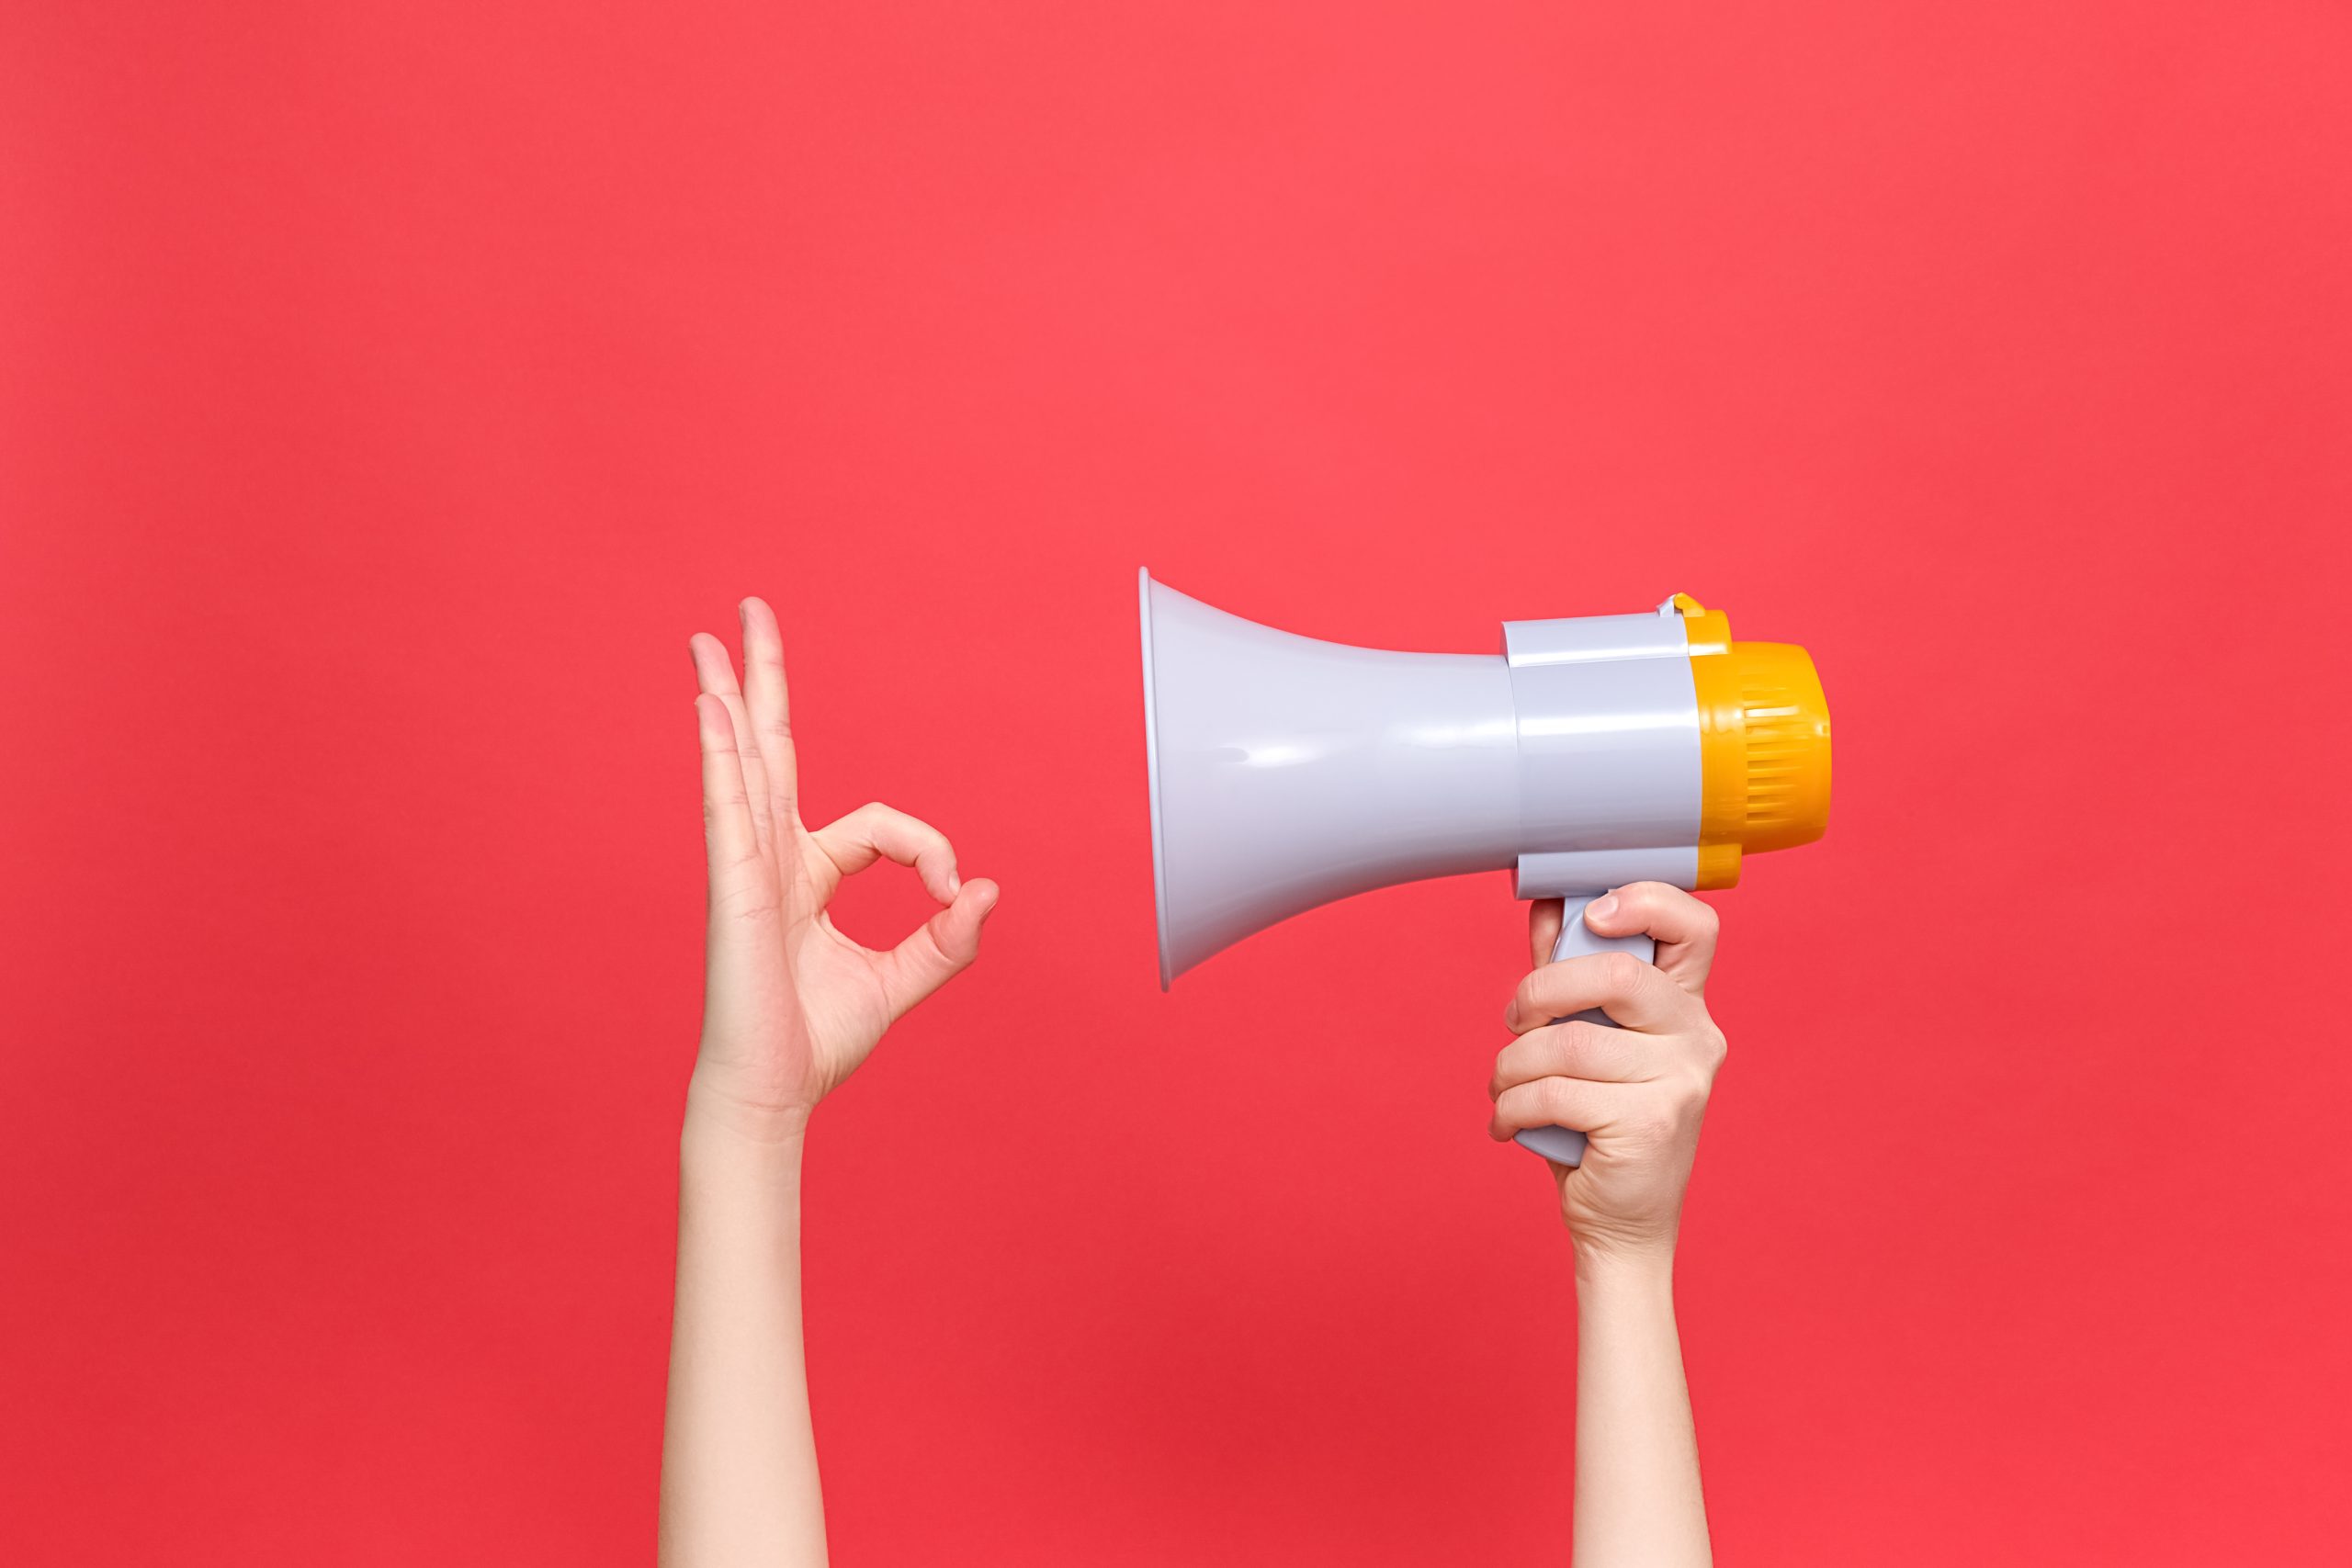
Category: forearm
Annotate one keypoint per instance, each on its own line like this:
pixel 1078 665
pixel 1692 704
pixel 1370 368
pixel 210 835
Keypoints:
pixel 739 1462
pixel 1637 1495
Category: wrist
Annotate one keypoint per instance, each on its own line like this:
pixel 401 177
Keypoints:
pixel 1616 1269
pixel 724 1124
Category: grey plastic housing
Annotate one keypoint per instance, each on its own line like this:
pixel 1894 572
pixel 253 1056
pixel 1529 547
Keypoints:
pixel 1287 771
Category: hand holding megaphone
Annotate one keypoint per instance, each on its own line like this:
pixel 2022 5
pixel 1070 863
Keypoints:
pixel 1639 1087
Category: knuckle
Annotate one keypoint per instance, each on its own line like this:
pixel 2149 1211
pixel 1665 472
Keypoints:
pixel 1574 1041
pixel 1619 971
pixel 1506 1072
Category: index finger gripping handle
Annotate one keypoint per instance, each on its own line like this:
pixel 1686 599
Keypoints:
pixel 1564 1145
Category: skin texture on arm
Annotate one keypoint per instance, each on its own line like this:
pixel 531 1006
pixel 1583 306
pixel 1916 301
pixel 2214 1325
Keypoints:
pixel 1639 1093
pixel 791 1008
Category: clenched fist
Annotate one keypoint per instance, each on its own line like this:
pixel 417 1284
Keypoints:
pixel 1637 1092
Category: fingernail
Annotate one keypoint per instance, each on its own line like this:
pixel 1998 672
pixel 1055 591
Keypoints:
pixel 1600 909
pixel 954 882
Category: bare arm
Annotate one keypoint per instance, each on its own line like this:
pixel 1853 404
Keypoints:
pixel 1639 1093
pixel 791 1007
pixel 739 1458
pixel 1637 1456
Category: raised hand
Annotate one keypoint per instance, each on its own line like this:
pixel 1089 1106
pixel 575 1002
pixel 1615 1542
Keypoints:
pixel 1638 1093
pixel 791 1005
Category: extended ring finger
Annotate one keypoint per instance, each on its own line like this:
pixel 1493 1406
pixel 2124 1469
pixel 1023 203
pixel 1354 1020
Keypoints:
pixel 715 672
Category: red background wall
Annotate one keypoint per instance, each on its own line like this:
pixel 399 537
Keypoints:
pixel 391 389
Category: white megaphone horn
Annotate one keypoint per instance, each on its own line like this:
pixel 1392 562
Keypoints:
pixel 1590 753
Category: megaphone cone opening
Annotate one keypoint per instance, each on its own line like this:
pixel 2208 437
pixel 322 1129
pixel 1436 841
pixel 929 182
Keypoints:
pixel 1287 771
pixel 1151 767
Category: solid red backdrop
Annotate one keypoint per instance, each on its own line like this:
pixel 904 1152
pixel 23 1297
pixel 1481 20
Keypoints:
pixel 391 389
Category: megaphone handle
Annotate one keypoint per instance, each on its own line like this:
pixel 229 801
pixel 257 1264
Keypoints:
pixel 1565 1145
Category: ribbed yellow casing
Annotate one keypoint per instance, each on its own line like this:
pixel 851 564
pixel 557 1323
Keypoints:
pixel 1763 745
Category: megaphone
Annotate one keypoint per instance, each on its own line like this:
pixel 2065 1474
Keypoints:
pixel 1591 752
